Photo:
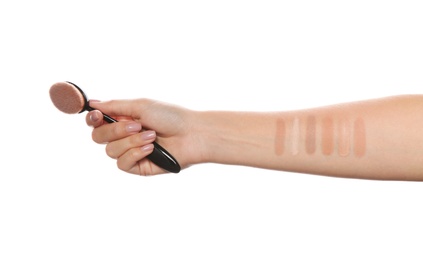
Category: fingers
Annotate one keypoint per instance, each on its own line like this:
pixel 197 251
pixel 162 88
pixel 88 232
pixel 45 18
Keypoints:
pixel 133 160
pixel 117 148
pixel 95 118
pixel 112 132
pixel 126 142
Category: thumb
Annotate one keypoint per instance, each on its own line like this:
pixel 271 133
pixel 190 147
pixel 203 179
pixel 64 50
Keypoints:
pixel 131 108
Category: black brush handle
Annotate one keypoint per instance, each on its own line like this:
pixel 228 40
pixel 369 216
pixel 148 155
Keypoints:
pixel 159 156
pixel 164 159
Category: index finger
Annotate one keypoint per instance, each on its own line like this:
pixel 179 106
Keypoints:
pixel 106 133
pixel 130 108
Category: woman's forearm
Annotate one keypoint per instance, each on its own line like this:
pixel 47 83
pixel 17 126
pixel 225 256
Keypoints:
pixel 371 139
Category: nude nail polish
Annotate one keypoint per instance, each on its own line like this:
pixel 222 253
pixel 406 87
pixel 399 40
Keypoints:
pixel 133 127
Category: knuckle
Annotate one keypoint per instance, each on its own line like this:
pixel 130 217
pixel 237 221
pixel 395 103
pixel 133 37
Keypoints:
pixel 95 136
pixel 134 155
pixel 120 165
pixel 116 130
pixel 136 140
pixel 110 151
pixel 126 162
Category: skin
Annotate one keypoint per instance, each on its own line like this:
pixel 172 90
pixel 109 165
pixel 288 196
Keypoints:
pixel 387 143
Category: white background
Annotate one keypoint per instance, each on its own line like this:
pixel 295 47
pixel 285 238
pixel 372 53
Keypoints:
pixel 61 197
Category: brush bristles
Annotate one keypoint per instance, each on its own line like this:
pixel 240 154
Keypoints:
pixel 67 98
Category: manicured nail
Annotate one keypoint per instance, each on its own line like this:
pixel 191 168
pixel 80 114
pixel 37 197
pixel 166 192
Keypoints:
pixel 147 148
pixel 148 135
pixel 91 101
pixel 133 127
pixel 94 116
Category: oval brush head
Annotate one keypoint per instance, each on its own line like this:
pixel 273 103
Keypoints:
pixel 67 98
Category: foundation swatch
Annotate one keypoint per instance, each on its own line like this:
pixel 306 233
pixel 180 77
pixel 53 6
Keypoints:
pixel 295 138
pixel 280 137
pixel 311 134
pixel 359 137
pixel 327 136
pixel 344 137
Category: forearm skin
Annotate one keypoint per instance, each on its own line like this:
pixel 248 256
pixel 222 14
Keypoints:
pixel 371 139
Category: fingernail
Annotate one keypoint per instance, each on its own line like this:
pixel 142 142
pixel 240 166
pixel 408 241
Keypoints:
pixel 91 101
pixel 147 148
pixel 148 135
pixel 94 116
pixel 133 127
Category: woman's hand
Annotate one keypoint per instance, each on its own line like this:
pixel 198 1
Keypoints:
pixel 142 121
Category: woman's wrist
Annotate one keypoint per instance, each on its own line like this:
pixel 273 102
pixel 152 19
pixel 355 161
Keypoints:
pixel 240 138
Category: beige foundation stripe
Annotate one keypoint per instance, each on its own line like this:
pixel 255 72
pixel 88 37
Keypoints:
pixel 295 138
pixel 327 136
pixel 280 137
pixel 311 134
pixel 359 137
pixel 344 136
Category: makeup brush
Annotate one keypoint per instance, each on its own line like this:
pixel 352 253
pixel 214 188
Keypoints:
pixel 70 99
